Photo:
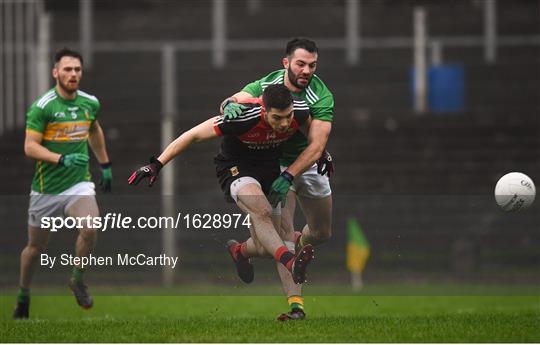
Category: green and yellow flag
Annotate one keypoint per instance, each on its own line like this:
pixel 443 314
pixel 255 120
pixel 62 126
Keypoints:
pixel 357 247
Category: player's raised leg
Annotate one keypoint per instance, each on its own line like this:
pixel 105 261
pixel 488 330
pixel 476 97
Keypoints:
pixel 242 253
pixel 318 213
pixel 86 242
pixel 251 199
pixel 37 243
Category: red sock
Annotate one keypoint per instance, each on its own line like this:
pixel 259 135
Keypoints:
pixel 284 256
pixel 243 250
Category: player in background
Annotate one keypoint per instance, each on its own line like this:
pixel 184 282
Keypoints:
pixel 59 127
pixel 312 188
pixel 246 166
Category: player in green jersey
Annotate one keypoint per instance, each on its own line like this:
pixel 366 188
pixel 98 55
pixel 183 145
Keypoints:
pixel 59 127
pixel 310 185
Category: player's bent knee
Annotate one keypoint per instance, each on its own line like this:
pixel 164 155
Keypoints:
pixel 34 250
pixel 88 234
pixel 261 251
pixel 263 214
pixel 322 236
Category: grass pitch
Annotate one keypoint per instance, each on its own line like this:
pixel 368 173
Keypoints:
pixel 237 318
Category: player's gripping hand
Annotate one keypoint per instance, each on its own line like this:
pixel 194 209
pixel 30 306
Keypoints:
pixel 73 160
pixel 106 178
pixel 279 189
pixel 325 164
pixel 232 110
pixel 149 171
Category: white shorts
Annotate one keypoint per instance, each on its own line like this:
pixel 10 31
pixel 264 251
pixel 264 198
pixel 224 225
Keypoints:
pixel 311 184
pixel 240 182
pixel 56 205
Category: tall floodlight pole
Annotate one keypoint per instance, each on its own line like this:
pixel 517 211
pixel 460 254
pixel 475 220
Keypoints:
pixel 9 63
pixel 31 89
pixel 19 65
pixel 2 49
pixel 490 31
pixel 86 30
pixel 169 112
pixel 43 52
pixel 219 32
pixel 420 65
pixel 352 31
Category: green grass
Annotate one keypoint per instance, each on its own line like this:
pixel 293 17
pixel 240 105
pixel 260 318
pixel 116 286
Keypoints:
pixel 237 318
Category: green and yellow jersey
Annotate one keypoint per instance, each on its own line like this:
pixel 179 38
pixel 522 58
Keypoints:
pixel 317 96
pixel 65 126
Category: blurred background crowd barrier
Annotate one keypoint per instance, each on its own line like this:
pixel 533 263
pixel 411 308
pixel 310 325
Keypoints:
pixel 434 101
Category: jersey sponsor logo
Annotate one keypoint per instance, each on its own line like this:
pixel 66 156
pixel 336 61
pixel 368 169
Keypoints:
pixel 264 145
pixel 271 142
pixel 67 131
pixel 262 138
pixel 59 114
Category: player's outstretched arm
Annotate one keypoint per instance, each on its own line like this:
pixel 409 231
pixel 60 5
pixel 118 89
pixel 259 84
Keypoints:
pixel 201 132
pixel 317 137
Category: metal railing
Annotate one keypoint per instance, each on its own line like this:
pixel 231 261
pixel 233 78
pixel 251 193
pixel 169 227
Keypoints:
pixel 25 41
pixel 23 48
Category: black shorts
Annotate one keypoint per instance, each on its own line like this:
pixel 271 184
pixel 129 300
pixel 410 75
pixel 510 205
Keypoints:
pixel 228 170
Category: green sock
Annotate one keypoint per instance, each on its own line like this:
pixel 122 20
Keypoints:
pixel 23 295
pixel 77 274
pixel 296 302
pixel 297 306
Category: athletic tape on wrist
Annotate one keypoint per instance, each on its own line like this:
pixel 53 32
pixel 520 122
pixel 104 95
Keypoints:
pixel 287 176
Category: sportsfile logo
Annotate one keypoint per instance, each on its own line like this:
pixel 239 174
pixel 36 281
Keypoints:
pixel 117 221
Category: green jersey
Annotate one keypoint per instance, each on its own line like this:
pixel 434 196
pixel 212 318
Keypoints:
pixel 65 126
pixel 317 96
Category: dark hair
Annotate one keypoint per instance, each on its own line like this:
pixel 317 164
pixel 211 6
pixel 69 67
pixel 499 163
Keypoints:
pixel 303 43
pixel 277 96
pixel 67 52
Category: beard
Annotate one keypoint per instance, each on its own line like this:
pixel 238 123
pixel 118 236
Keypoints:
pixel 67 87
pixel 293 79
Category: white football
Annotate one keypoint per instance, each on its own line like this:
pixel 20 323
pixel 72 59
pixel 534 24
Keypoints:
pixel 515 192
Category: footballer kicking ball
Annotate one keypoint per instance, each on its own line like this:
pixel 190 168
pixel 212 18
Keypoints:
pixel 515 192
